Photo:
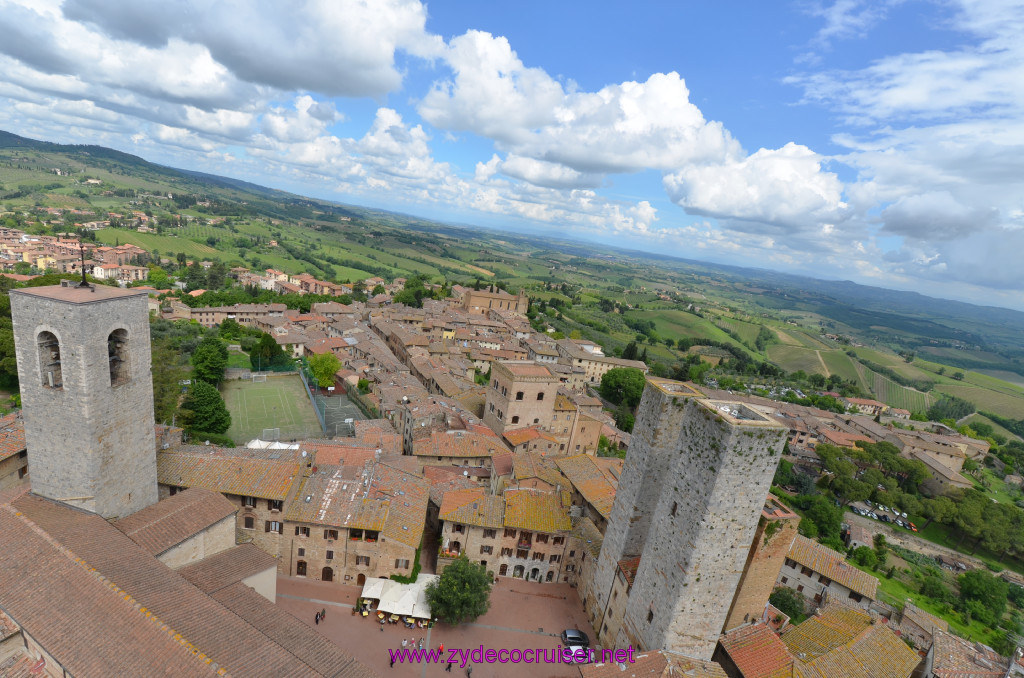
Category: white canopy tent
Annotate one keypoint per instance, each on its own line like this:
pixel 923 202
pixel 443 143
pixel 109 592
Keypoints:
pixel 406 600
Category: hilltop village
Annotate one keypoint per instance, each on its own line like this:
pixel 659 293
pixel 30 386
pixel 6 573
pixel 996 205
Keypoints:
pixel 673 551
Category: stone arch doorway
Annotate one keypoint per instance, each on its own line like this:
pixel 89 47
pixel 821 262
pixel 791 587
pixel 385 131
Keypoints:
pixel 517 571
pixel 327 574
pixel 300 568
pixel 551 576
pixel 534 574
pixel 361 579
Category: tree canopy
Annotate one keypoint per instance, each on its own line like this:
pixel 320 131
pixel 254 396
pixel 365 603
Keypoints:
pixel 623 385
pixel 324 366
pixel 209 360
pixel 205 408
pixel 461 594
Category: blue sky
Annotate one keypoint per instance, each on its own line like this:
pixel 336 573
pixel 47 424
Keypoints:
pixel 874 141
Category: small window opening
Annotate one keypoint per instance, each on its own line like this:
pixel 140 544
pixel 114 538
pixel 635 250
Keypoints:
pixel 49 360
pixel 117 354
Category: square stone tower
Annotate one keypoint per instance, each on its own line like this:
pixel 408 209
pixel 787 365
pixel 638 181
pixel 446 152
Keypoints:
pixel 87 395
pixel 521 393
pixel 688 504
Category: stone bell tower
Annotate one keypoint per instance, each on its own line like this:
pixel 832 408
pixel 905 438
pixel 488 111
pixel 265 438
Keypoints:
pixel 87 395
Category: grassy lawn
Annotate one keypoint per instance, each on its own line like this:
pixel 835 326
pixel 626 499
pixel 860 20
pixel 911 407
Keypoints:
pixel 238 359
pixel 1004 404
pixel 280 402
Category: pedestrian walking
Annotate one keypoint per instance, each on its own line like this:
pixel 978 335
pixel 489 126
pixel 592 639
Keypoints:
pixel 392 662
pixel 317 618
pixel 469 671
pixel 405 642
pixel 323 613
pixel 448 668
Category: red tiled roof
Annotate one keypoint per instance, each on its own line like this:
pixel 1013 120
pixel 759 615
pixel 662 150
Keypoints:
pixel 238 472
pixel 654 664
pixel 232 641
pixel 757 652
pixel 589 481
pixel 833 565
pixel 227 567
pixel 536 511
pixel 168 523
pixel 12 435
pixel 472 507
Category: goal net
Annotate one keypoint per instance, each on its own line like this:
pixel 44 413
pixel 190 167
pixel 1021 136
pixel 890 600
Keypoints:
pixel 256 378
pixel 271 434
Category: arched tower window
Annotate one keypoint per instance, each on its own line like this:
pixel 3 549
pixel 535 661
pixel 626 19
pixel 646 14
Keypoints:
pixel 117 354
pixel 49 360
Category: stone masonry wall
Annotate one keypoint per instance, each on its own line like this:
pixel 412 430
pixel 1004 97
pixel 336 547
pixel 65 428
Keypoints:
pixel 701 527
pixel 90 444
pixel 655 436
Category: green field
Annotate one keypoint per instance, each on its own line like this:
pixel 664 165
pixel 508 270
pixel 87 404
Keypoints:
pixel 995 427
pixel 168 245
pixel 984 399
pixel 842 365
pixel 792 358
pixel 895 395
pixel 280 402
pixel 676 324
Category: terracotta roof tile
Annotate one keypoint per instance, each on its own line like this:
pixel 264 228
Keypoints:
pixel 458 444
pixel 168 523
pixel 655 664
pixel 590 481
pixel 80 618
pixel 536 511
pixel 337 498
pixel 408 496
pixel 227 567
pixel 12 435
pixel 239 472
pixel 473 507
pixel 956 658
pixel 833 565
pixel 758 652
pixel 527 465
pixel 232 641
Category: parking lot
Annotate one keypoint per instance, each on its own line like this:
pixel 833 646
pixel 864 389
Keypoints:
pixel 883 514
pixel 522 615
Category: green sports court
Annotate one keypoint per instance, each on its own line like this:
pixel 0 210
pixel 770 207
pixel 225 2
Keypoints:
pixel 280 402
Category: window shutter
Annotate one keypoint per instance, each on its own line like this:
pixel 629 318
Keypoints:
pixel 266 526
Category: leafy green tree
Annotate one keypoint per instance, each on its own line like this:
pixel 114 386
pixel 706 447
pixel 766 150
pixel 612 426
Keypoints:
pixel 209 361
pixel 864 556
pixel 230 329
pixel 631 351
pixel 266 352
pixel 788 602
pixel 624 419
pixel 933 587
pixel 461 594
pixel 205 409
pixel 986 589
pixel 324 366
pixel 158 278
pixel 167 372
pixel 623 385
pixel 216 275
pixel 881 549
pixel 195 277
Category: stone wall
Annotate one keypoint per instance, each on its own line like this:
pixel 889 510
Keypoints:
pixel 90 441
pixel 216 538
pixel 688 502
